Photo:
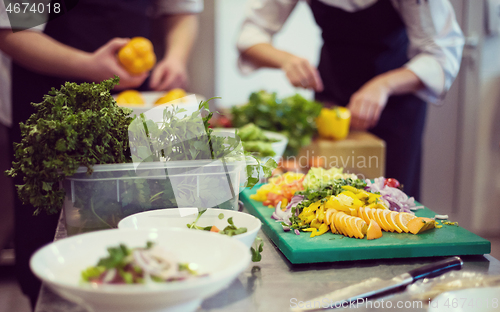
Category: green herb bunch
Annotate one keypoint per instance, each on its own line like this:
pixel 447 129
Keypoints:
pixel 293 116
pixel 78 125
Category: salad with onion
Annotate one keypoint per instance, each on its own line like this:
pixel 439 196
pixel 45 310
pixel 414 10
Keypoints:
pixel 139 265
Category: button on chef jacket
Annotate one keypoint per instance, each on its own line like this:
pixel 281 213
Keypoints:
pixel 365 38
pixel 88 26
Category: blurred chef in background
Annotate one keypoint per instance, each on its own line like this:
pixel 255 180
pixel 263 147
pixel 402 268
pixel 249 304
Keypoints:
pixel 382 59
pixel 81 45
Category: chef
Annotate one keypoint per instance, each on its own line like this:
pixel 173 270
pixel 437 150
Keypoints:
pixel 383 59
pixel 81 45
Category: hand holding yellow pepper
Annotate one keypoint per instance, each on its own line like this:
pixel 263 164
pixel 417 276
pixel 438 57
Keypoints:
pixel 137 56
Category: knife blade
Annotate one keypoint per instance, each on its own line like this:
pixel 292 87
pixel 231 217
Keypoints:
pixel 376 287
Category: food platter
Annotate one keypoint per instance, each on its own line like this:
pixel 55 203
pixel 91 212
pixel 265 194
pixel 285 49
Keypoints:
pixel 446 241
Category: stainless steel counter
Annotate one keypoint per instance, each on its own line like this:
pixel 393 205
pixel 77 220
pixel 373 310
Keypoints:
pixel 274 284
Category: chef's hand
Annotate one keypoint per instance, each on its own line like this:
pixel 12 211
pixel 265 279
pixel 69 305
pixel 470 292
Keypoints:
pixel 103 64
pixel 367 104
pixel 168 74
pixel 302 74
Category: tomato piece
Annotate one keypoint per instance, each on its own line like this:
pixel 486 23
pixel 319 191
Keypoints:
pixel 392 182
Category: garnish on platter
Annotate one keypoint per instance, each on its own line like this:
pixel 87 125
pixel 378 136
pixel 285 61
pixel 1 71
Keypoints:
pixel 139 265
pixel 332 201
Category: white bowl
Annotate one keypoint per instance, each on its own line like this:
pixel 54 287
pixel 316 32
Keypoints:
pixel 60 264
pixel 179 218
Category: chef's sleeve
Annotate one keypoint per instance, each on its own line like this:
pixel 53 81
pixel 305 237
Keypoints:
pixel 436 45
pixel 163 7
pixel 263 19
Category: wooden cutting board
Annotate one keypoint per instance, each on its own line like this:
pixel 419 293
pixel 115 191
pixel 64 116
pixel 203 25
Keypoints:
pixel 450 240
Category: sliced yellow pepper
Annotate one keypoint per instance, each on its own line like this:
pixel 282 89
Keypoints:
pixel 315 223
pixel 130 97
pixel 351 189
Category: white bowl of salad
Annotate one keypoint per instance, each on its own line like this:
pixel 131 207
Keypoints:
pixel 140 270
pixel 242 226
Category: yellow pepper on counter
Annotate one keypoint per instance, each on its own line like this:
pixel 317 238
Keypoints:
pixel 334 123
pixel 171 95
pixel 130 97
pixel 137 56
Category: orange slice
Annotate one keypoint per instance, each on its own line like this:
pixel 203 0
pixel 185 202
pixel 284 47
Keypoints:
pixel 345 225
pixel 363 226
pixel 377 218
pixel 359 227
pixel 385 217
pixel 402 220
pixel 360 212
pixel 374 230
pixel 365 215
pixel 419 225
pixel 370 214
pixel 385 225
pixel 352 226
pixel 391 218
pixel 337 223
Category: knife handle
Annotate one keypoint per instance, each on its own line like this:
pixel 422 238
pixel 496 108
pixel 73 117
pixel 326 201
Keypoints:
pixel 438 268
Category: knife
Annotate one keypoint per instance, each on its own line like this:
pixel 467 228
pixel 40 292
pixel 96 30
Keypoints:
pixel 376 287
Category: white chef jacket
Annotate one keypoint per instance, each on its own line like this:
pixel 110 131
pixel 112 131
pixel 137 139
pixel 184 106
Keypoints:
pixel 435 38
pixel 160 7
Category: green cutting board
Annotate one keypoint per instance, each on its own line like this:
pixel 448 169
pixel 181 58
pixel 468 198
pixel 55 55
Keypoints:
pixel 450 240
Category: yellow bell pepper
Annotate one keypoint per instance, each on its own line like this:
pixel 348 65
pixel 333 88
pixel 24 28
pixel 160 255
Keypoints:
pixel 137 56
pixel 334 123
pixel 351 188
pixel 315 223
pixel 130 97
pixel 322 230
pixel 171 95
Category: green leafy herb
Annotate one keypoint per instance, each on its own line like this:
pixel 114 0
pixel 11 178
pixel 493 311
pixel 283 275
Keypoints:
pixel 259 247
pixel 81 125
pixel 292 116
pixel 78 125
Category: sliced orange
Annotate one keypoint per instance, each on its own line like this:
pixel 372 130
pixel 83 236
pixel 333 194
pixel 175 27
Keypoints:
pixel 377 218
pixel 385 216
pixel 360 212
pixel 352 226
pixel 365 215
pixel 391 218
pixel 374 230
pixel 345 225
pixel 337 223
pixel 419 225
pixel 370 214
pixel 359 227
pixel 402 220
pixel 385 225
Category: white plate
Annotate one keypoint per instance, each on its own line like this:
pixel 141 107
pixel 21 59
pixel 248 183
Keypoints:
pixel 486 299
pixel 179 218
pixel 60 264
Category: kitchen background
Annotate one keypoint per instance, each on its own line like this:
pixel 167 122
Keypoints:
pixel 461 169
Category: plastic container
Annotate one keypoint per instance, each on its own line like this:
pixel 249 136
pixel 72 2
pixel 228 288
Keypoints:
pixel 112 192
